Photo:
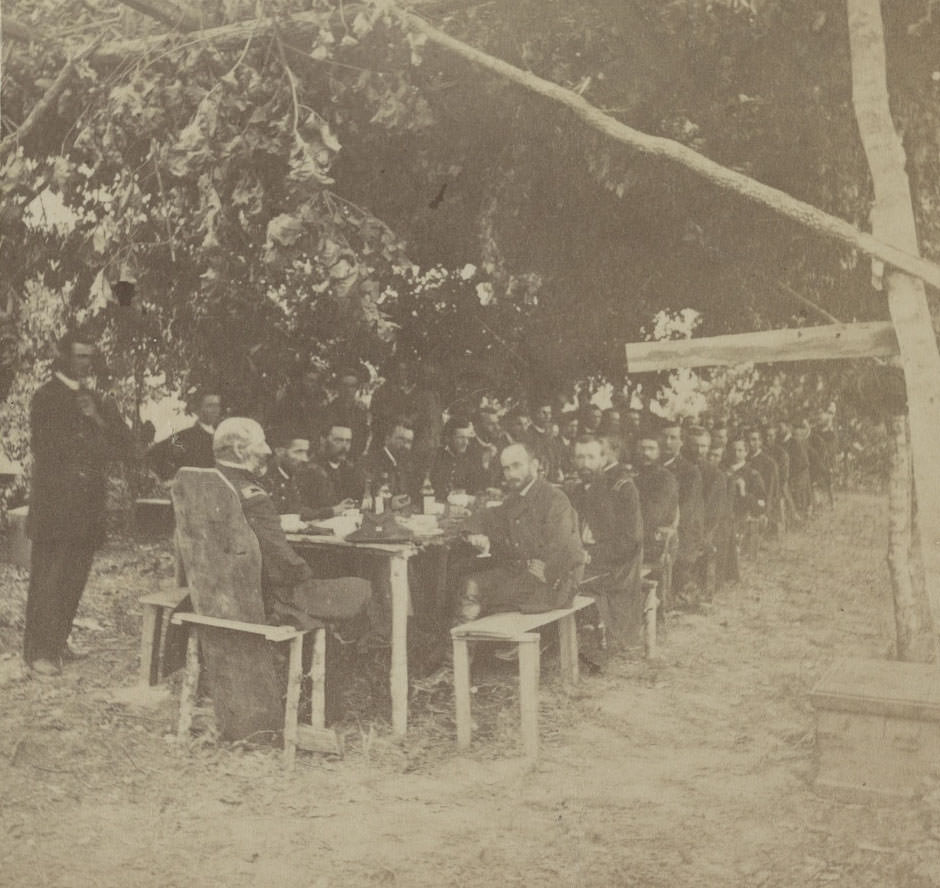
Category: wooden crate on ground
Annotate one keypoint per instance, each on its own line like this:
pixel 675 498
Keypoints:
pixel 877 727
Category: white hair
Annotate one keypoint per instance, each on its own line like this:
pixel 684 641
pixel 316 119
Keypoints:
pixel 233 436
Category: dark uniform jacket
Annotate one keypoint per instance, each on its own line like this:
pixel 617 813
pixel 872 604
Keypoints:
pixel 320 486
pixel 284 490
pixel 769 472
pixel 691 507
pixel 659 501
pixel 717 503
pixel 782 459
pixel 541 525
pixel 287 583
pixel 457 471
pixel 189 447
pixel 399 473
pixel 70 456
pixel 748 494
pixel 610 521
pixel 351 415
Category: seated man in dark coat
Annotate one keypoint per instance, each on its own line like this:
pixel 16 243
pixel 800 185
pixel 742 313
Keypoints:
pixel 391 463
pixel 191 446
pixel 291 454
pixel 608 508
pixel 659 494
pixel 691 512
pixel 334 483
pixel 346 411
pixel 533 540
pixel 288 587
pixel 458 465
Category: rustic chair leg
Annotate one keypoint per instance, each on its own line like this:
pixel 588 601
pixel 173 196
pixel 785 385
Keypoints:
pixel 295 676
pixel 151 624
pixel 529 692
pixel 318 679
pixel 462 691
pixel 568 644
pixel 190 686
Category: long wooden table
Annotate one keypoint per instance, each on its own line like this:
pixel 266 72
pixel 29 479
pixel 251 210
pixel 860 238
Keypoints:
pixel 396 555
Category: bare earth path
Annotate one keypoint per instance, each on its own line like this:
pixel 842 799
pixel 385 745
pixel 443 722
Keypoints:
pixel 695 771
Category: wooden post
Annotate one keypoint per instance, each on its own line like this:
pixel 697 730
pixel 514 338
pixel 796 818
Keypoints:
pixel 398 676
pixel 295 674
pixel 190 686
pixel 318 680
pixel 462 691
pixel 568 644
pixel 892 221
pixel 150 631
pixel 529 692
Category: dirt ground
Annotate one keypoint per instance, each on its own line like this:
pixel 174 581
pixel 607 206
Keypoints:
pixel 695 770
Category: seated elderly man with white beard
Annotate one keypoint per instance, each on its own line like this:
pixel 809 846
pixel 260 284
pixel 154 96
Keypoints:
pixel 290 591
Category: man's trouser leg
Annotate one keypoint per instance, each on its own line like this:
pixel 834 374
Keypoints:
pixel 58 573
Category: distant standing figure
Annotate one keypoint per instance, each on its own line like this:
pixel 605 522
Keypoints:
pixel 74 433
pixel 191 446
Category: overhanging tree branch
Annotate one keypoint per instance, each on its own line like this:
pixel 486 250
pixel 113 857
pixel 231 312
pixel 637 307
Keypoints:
pixel 49 98
pixel 773 199
pixel 167 12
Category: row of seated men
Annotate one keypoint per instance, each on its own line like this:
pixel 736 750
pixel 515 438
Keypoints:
pixel 719 483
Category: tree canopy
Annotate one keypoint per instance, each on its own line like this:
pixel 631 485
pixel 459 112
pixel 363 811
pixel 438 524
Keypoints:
pixel 318 182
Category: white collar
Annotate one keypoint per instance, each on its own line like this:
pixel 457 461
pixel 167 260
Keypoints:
pixel 284 474
pixel 388 453
pixel 67 382
pixel 206 428
pixel 737 466
pixel 527 488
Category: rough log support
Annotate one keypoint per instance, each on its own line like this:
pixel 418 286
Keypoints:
pixel 892 220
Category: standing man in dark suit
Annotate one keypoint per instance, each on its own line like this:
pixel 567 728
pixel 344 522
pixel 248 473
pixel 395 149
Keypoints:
pixel 346 410
pixel 74 434
pixel 659 495
pixel 769 471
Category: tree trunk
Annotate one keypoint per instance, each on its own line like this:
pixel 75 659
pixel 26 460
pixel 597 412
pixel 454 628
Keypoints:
pixel 911 617
pixel 892 220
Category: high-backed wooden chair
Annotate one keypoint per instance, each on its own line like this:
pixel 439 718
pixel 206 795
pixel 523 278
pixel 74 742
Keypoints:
pixel 252 692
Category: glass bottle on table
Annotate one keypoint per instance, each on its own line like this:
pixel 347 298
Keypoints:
pixel 368 503
pixel 427 496
pixel 383 498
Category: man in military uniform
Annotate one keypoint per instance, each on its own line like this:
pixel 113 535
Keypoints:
pixel 799 466
pixel 782 459
pixel 659 494
pixel 347 412
pixel 345 479
pixel 291 454
pixel 392 463
pixel 769 471
pixel 534 542
pixel 74 433
pixel 457 466
pixel 541 436
pixel 726 547
pixel 691 512
pixel 290 591
pixel 192 446
pixel 608 508
pixel 717 526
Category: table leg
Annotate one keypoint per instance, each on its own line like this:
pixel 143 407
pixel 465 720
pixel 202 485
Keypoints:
pixel 190 686
pixel 568 644
pixel 462 691
pixel 318 677
pixel 398 676
pixel 295 674
pixel 529 691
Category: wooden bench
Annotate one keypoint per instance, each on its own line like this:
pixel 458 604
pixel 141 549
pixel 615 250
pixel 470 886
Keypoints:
pixel 516 627
pixel 155 608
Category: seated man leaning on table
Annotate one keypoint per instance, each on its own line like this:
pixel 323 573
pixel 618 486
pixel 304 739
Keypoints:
pixel 532 538
pixel 291 593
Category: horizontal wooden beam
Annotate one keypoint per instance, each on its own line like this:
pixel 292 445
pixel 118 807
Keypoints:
pixel 842 341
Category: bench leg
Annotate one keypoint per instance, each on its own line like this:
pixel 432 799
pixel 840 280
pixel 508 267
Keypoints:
pixel 190 686
pixel 318 680
pixel 295 674
pixel 568 644
pixel 529 692
pixel 462 691
pixel 150 631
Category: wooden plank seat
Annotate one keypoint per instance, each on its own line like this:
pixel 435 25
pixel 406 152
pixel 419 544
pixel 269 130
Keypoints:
pixel 253 691
pixel 518 628
pixel 156 606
